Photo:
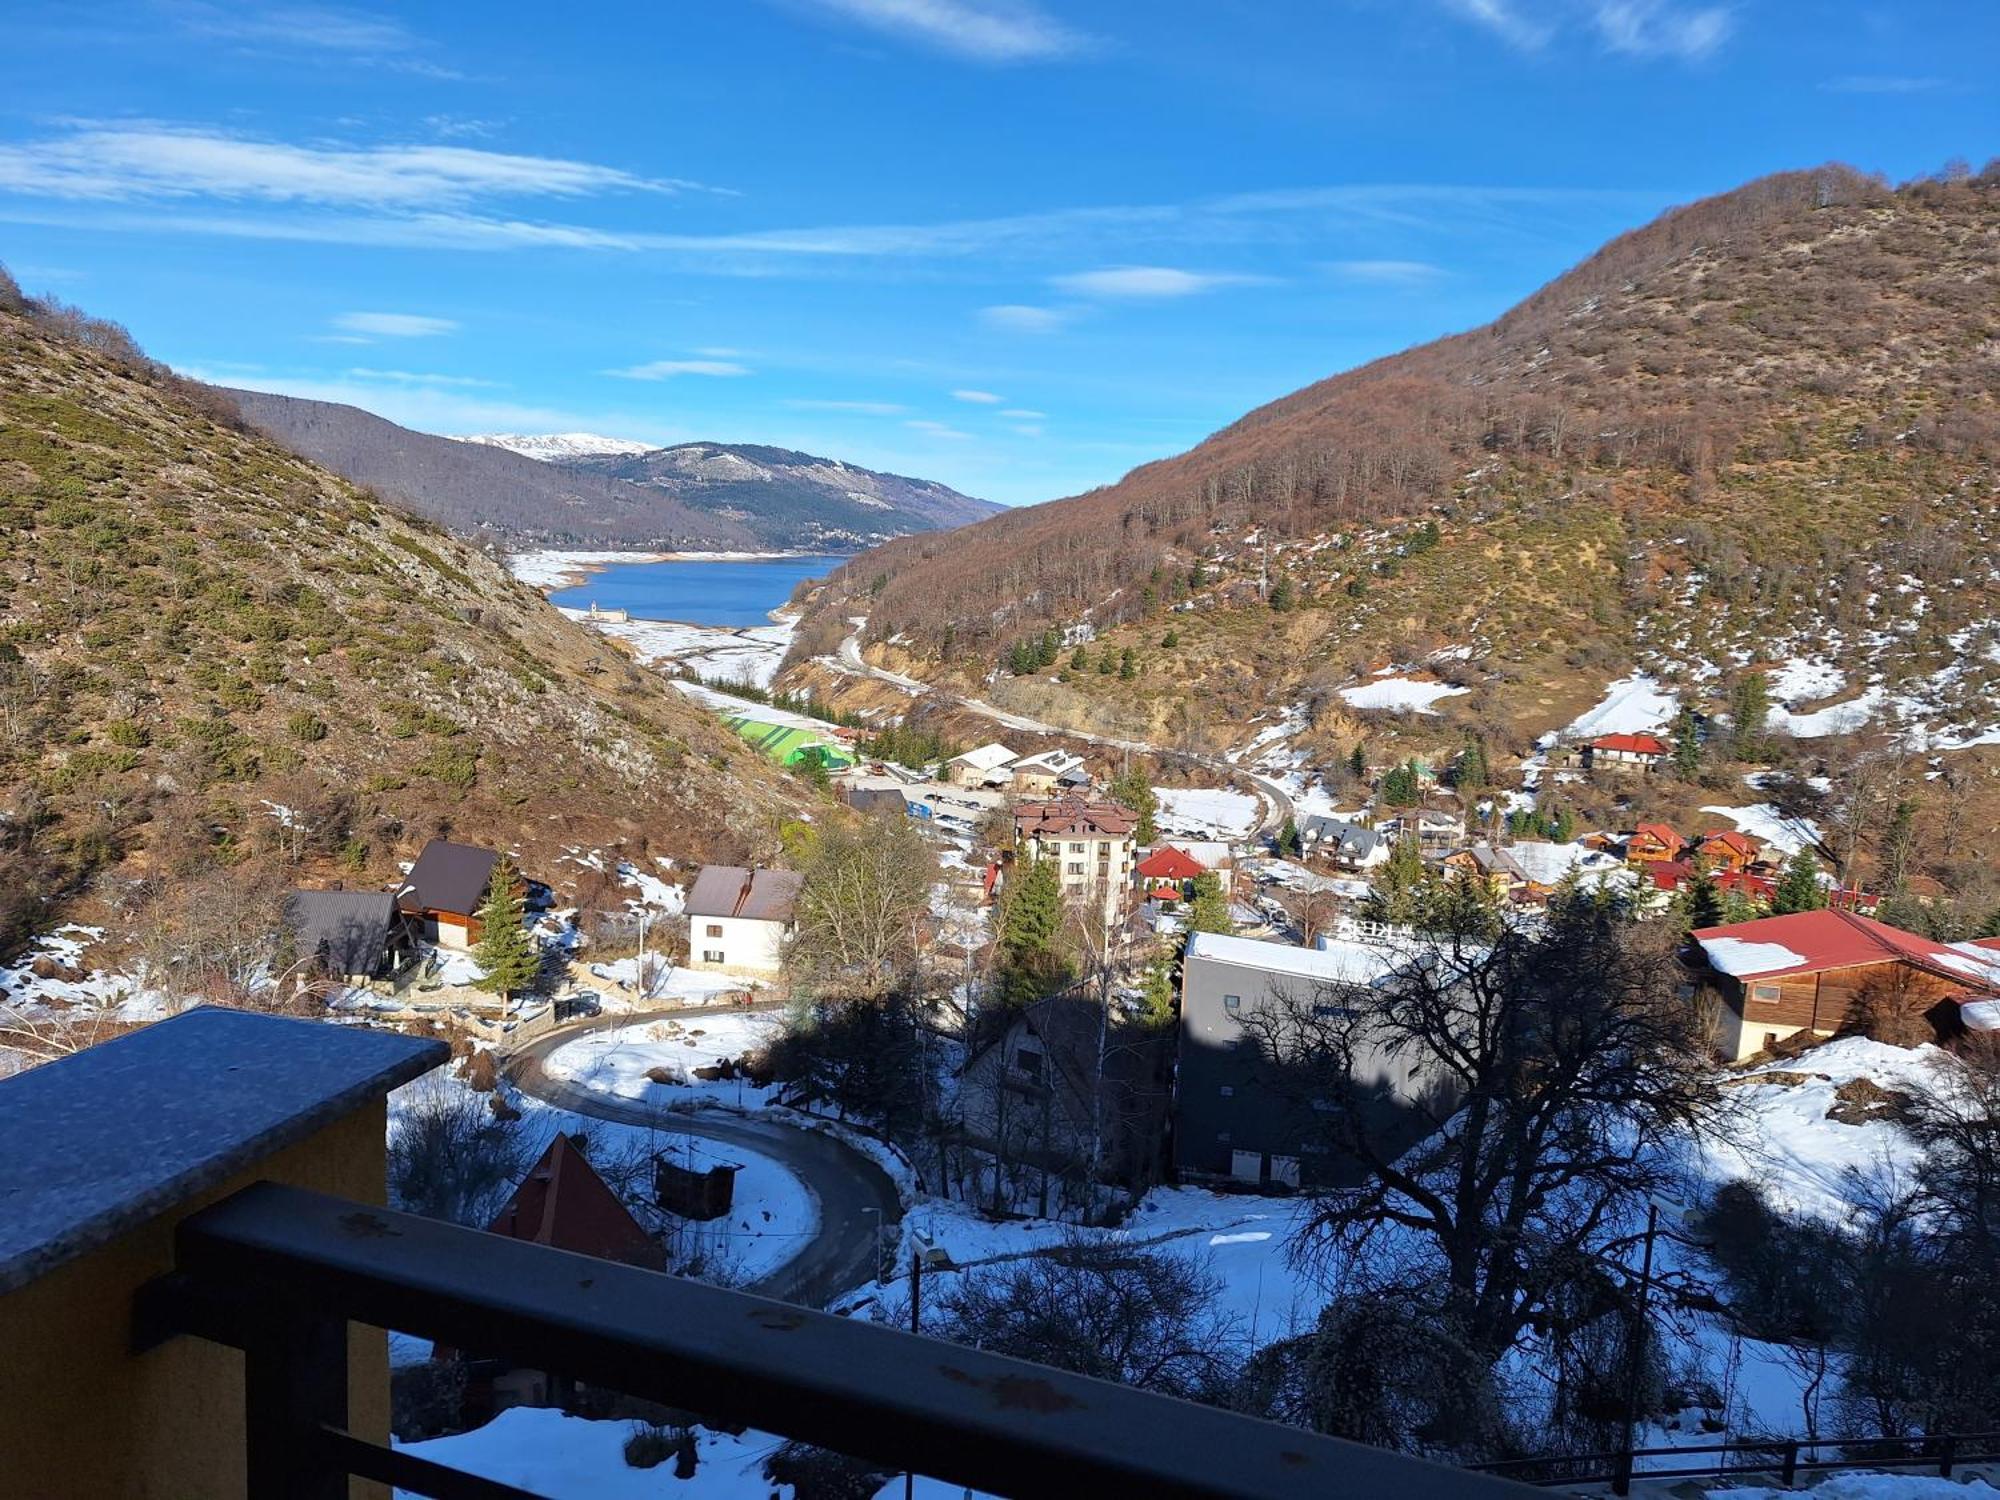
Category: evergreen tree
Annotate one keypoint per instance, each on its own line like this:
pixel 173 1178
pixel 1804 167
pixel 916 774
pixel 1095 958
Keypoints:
pixel 1281 594
pixel 810 767
pixel 1135 790
pixel 1290 845
pixel 1798 889
pixel 1398 887
pixel 1687 746
pixel 1157 990
pixel 1171 640
pixel 1106 663
pixel 1400 785
pixel 1079 659
pixel 1021 659
pixel 1030 959
pixel 1470 771
pixel 1357 762
pixel 1049 648
pixel 1208 904
pixel 1128 665
pixel 1561 825
pixel 1197 576
pixel 1749 707
pixel 504 950
pixel 1700 901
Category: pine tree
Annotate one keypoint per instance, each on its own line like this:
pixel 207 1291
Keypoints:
pixel 1171 640
pixel 1021 659
pixel 1470 772
pixel 1128 665
pixel 1157 992
pixel 1134 790
pixel 1079 659
pixel 1749 707
pixel 1281 594
pixel 1701 901
pixel 1687 746
pixel 1400 786
pixel 1049 648
pixel 1357 762
pixel 1398 886
pixel 1106 663
pixel 1031 962
pixel 504 951
pixel 1798 889
pixel 1208 905
pixel 1197 576
pixel 1289 842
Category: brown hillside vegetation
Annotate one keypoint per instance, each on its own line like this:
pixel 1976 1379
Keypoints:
pixel 221 666
pixel 1751 422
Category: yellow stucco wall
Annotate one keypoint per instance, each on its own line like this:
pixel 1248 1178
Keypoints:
pixel 82 1416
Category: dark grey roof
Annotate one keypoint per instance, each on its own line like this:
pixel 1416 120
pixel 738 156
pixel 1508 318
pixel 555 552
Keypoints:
pixel 111 1136
pixel 449 878
pixel 1349 838
pixel 352 927
pixel 732 891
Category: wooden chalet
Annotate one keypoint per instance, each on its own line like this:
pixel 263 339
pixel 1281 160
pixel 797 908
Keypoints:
pixel 1729 850
pixel 1825 971
pixel 1651 841
pixel 444 891
pixel 1626 752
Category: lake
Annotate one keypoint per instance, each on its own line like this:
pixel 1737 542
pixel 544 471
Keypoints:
pixel 698 591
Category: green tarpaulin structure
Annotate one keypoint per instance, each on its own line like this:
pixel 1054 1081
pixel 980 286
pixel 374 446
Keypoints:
pixel 786 744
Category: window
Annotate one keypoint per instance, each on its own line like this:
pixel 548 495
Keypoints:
pixel 712 956
pixel 1076 869
pixel 1029 1062
pixel 1333 1012
pixel 714 930
pixel 1076 848
pixel 1763 992
pixel 1232 1003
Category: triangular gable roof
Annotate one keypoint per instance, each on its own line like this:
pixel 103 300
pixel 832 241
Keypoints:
pixel 564 1204
pixel 448 877
pixel 1663 833
pixel 1731 838
pixel 1170 864
pixel 732 891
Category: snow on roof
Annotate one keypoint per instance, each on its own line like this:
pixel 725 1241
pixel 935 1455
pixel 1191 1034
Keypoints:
pixel 1331 963
pixel 1741 959
pixel 1213 854
pixel 986 758
pixel 1546 863
pixel 1056 761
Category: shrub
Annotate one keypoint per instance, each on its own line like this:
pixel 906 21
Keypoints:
pixel 305 726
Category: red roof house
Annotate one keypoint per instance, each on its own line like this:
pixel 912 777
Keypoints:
pixel 1651 841
pixel 1822 971
pixel 1728 849
pixel 1170 864
pixel 562 1202
pixel 1639 752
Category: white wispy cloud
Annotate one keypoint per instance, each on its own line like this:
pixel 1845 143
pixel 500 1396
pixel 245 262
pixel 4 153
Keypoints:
pixel 421 377
pixel 389 325
pixel 1637 28
pixel 669 369
pixel 325 31
pixel 154 161
pixel 977 398
pixel 1385 272
pixel 1145 282
pixel 1875 83
pixel 859 408
pixel 936 429
pixel 992 31
pixel 1022 414
pixel 1015 317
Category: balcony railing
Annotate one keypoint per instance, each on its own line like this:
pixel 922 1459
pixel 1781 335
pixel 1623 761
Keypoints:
pixel 278 1272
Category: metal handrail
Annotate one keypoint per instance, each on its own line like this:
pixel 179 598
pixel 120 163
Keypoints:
pixel 279 1272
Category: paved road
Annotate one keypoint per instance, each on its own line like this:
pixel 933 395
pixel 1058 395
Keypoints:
pixel 855 1197
pixel 1277 802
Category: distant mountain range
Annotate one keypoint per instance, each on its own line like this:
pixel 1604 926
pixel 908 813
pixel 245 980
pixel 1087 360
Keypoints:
pixel 584 490
pixel 554 447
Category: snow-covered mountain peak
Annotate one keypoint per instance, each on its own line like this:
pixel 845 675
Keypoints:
pixel 553 447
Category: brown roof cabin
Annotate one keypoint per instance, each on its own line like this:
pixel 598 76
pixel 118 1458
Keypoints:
pixel 1827 971
pixel 444 890
pixel 1729 850
pixel 1651 841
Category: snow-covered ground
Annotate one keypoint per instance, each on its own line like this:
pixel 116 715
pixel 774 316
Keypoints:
pixel 557 569
pixel 571 1458
pixel 1763 821
pixel 1399 694
pixel 1207 811
pixel 1629 705
pixel 664 984
pixel 620 1061
pixel 749 655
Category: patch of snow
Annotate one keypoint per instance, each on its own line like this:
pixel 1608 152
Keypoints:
pixel 1763 820
pixel 1629 706
pixel 1216 810
pixel 1740 956
pixel 1399 694
pixel 619 1061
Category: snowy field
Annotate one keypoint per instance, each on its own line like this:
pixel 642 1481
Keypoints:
pixel 1207 811
pixel 1630 705
pixel 620 1061
pixel 1763 821
pixel 558 569
pixel 748 655
pixel 1399 694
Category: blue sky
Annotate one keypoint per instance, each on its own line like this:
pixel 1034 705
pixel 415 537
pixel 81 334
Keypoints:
pixel 1019 247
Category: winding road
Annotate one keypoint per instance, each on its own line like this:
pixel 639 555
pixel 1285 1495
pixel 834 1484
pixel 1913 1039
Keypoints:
pixel 1277 801
pixel 854 1197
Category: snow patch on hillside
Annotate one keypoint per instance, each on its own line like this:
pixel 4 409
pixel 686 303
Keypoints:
pixel 1630 705
pixel 550 447
pixel 1399 694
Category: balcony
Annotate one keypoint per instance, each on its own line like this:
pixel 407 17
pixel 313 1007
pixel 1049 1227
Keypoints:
pixel 214 1185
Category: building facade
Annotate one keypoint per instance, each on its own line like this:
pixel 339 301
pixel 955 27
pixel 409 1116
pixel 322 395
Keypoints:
pixel 1090 844
pixel 740 921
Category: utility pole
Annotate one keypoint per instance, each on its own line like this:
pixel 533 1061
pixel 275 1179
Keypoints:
pixel 1621 1484
pixel 916 1322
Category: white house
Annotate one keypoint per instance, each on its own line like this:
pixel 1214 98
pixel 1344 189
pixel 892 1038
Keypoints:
pixel 986 766
pixel 739 920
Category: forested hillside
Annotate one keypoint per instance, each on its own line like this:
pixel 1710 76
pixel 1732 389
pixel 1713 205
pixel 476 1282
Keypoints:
pixel 220 665
pixel 1764 426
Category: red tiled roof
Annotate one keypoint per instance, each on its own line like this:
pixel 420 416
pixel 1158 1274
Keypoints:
pixel 1631 744
pixel 1072 815
pixel 1170 864
pixel 562 1202
pixel 1809 942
